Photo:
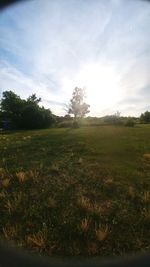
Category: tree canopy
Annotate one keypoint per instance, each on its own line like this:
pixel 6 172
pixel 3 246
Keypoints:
pixel 145 117
pixel 24 114
pixel 77 106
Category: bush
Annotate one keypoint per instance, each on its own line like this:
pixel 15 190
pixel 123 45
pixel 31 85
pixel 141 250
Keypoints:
pixel 75 124
pixel 68 124
pixel 113 120
pixel 24 114
pixel 65 124
pixel 145 117
pixel 130 123
pixel 34 117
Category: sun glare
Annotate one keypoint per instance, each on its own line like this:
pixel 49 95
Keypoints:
pixel 102 86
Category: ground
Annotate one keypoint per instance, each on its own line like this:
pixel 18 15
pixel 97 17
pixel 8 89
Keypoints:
pixel 76 191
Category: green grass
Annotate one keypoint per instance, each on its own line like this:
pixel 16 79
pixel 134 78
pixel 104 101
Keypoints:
pixel 76 191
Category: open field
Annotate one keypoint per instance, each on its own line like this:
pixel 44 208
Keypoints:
pixel 76 191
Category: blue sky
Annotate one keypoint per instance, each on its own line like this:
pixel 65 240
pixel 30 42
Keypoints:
pixel 49 47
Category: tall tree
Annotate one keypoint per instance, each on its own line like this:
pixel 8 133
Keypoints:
pixel 77 106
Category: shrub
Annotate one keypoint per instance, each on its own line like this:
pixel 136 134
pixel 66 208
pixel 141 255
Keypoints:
pixel 17 113
pixel 113 120
pixel 65 124
pixel 75 124
pixel 130 123
pixel 145 117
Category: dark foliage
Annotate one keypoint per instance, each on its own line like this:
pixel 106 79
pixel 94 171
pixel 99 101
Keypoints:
pixel 113 119
pixel 145 117
pixel 129 122
pixel 24 114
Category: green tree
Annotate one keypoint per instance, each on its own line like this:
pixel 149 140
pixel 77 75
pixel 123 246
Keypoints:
pixel 35 117
pixel 33 99
pixel 12 107
pixel 145 117
pixel 25 114
pixel 77 106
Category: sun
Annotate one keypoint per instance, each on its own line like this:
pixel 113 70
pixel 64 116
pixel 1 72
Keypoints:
pixel 101 84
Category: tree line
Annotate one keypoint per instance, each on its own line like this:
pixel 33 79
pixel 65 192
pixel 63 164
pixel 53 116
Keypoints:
pixel 18 113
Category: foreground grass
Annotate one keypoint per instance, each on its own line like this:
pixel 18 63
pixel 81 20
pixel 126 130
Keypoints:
pixel 76 191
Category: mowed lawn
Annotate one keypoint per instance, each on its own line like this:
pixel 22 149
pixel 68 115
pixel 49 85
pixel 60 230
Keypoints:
pixel 76 191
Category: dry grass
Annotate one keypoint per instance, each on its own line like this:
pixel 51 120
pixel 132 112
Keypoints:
pixel 83 202
pixel 9 206
pixel 145 197
pixel 55 169
pixel 147 215
pixel 51 203
pixel 101 233
pixel 2 173
pixel 35 173
pixel 26 137
pixel 38 240
pixel 109 180
pixel 14 203
pixel 6 182
pixel 80 160
pixel 21 176
pixel 93 207
pixel 146 156
pixel 131 192
pixel 10 232
pixel 2 195
pixel 17 199
pixel 84 225
pixel 92 248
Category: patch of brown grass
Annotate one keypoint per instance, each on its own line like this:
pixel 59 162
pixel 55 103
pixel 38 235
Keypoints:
pixel 10 232
pixel 93 207
pixel 92 248
pixel 6 182
pixel 54 170
pixel 21 176
pixel 9 206
pixel 84 225
pixel 146 214
pixel 18 198
pixel 51 203
pixel 146 156
pixel 109 180
pixel 2 173
pixel 80 161
pixel 26 137
pixel 101 232
pixel 13 204
pixel 145 197
pixel 38 240
pixel 131 192
pixel 2 194
pixel 34 173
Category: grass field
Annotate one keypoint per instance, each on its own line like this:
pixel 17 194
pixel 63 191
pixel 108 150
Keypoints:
pixel 76 191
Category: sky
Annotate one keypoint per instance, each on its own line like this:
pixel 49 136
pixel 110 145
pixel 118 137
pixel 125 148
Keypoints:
pixel 49 47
